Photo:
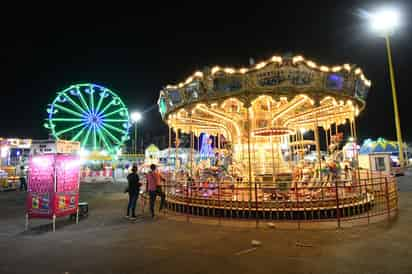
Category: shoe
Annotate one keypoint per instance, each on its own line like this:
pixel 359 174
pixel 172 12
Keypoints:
pixel 127 217
pixel 133 218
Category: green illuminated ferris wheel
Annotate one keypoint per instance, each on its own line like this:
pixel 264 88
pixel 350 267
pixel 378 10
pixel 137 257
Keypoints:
pixel 91 114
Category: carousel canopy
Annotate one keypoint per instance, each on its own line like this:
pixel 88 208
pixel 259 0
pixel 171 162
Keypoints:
pixel 285 76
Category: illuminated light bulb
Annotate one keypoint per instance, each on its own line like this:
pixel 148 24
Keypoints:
pixel 298 58
pixel 180 85
pixel 311 64
pixel 243 70
pixel 336 69
pixel 358 71
pixel 188 80
pixel 260 65
pixel 229 70
pixel 277 59
pixel 347 67
pixel 198 74
pixel 324 68
pixel 215 69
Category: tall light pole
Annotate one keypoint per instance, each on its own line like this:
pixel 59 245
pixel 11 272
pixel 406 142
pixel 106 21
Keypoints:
pixel 136 117
pixel 385 21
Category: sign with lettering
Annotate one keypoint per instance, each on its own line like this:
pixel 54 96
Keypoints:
pixel 54 146
pixel 53 185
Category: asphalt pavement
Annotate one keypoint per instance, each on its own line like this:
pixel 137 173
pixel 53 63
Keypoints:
pixel 105 242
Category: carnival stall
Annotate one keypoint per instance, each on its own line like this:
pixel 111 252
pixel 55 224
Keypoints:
pixel 53 181
pixel 380 155
pixel 96 166
pixel 13 161
pixel 152 154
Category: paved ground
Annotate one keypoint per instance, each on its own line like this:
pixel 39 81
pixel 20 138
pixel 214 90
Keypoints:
pixel 106 243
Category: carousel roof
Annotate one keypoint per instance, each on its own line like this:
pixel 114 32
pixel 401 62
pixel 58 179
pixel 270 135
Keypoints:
pixel 278 77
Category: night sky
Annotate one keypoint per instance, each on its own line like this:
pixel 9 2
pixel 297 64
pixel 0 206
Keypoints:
pixel 136 50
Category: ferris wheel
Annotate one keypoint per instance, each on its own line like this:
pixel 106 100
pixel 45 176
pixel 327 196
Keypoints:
pixel 91 114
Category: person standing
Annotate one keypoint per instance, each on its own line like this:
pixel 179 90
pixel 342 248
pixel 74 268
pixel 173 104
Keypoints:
pixel 133 189
pixel 23 181
pixel 154 187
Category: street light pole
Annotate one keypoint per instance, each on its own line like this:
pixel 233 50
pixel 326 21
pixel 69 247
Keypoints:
pixel 135 138
pixel 385 21
pixel 135 118
pixel 395 102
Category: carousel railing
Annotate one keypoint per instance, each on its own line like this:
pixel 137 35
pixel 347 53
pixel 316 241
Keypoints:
pixel 364 195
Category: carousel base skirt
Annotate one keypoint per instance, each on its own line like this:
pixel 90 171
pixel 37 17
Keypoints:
pixel 274 210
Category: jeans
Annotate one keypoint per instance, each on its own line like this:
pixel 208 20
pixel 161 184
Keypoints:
pixel 23 186
pixel 133 196
pixel 153 194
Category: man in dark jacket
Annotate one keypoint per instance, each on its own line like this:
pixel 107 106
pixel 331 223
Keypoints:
pixel 133 189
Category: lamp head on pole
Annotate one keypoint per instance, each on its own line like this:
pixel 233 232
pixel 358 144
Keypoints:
pixel 136 117
pixel 385 21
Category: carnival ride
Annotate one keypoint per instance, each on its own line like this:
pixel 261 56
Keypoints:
pixel 91 114
pixel 263 112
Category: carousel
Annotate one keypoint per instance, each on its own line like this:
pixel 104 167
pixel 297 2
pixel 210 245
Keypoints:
pixel 261 122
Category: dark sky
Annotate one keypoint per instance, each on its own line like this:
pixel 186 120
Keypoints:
pixel 135 50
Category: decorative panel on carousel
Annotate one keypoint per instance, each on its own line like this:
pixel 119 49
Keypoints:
pixel 224 83
pixel 286 76
pixel 175 98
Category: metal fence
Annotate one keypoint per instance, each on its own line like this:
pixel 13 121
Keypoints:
pixel 365 197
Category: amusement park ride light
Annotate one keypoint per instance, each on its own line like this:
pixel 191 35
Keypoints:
pixel 188 80
pixel 243 70
pixel 298 58
pixel 215 69
pixel 198 74
pixel 324 68
pixel 336 69
pixel 311 64
pixel 229 70
pixel 260 65
pixel 277 59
